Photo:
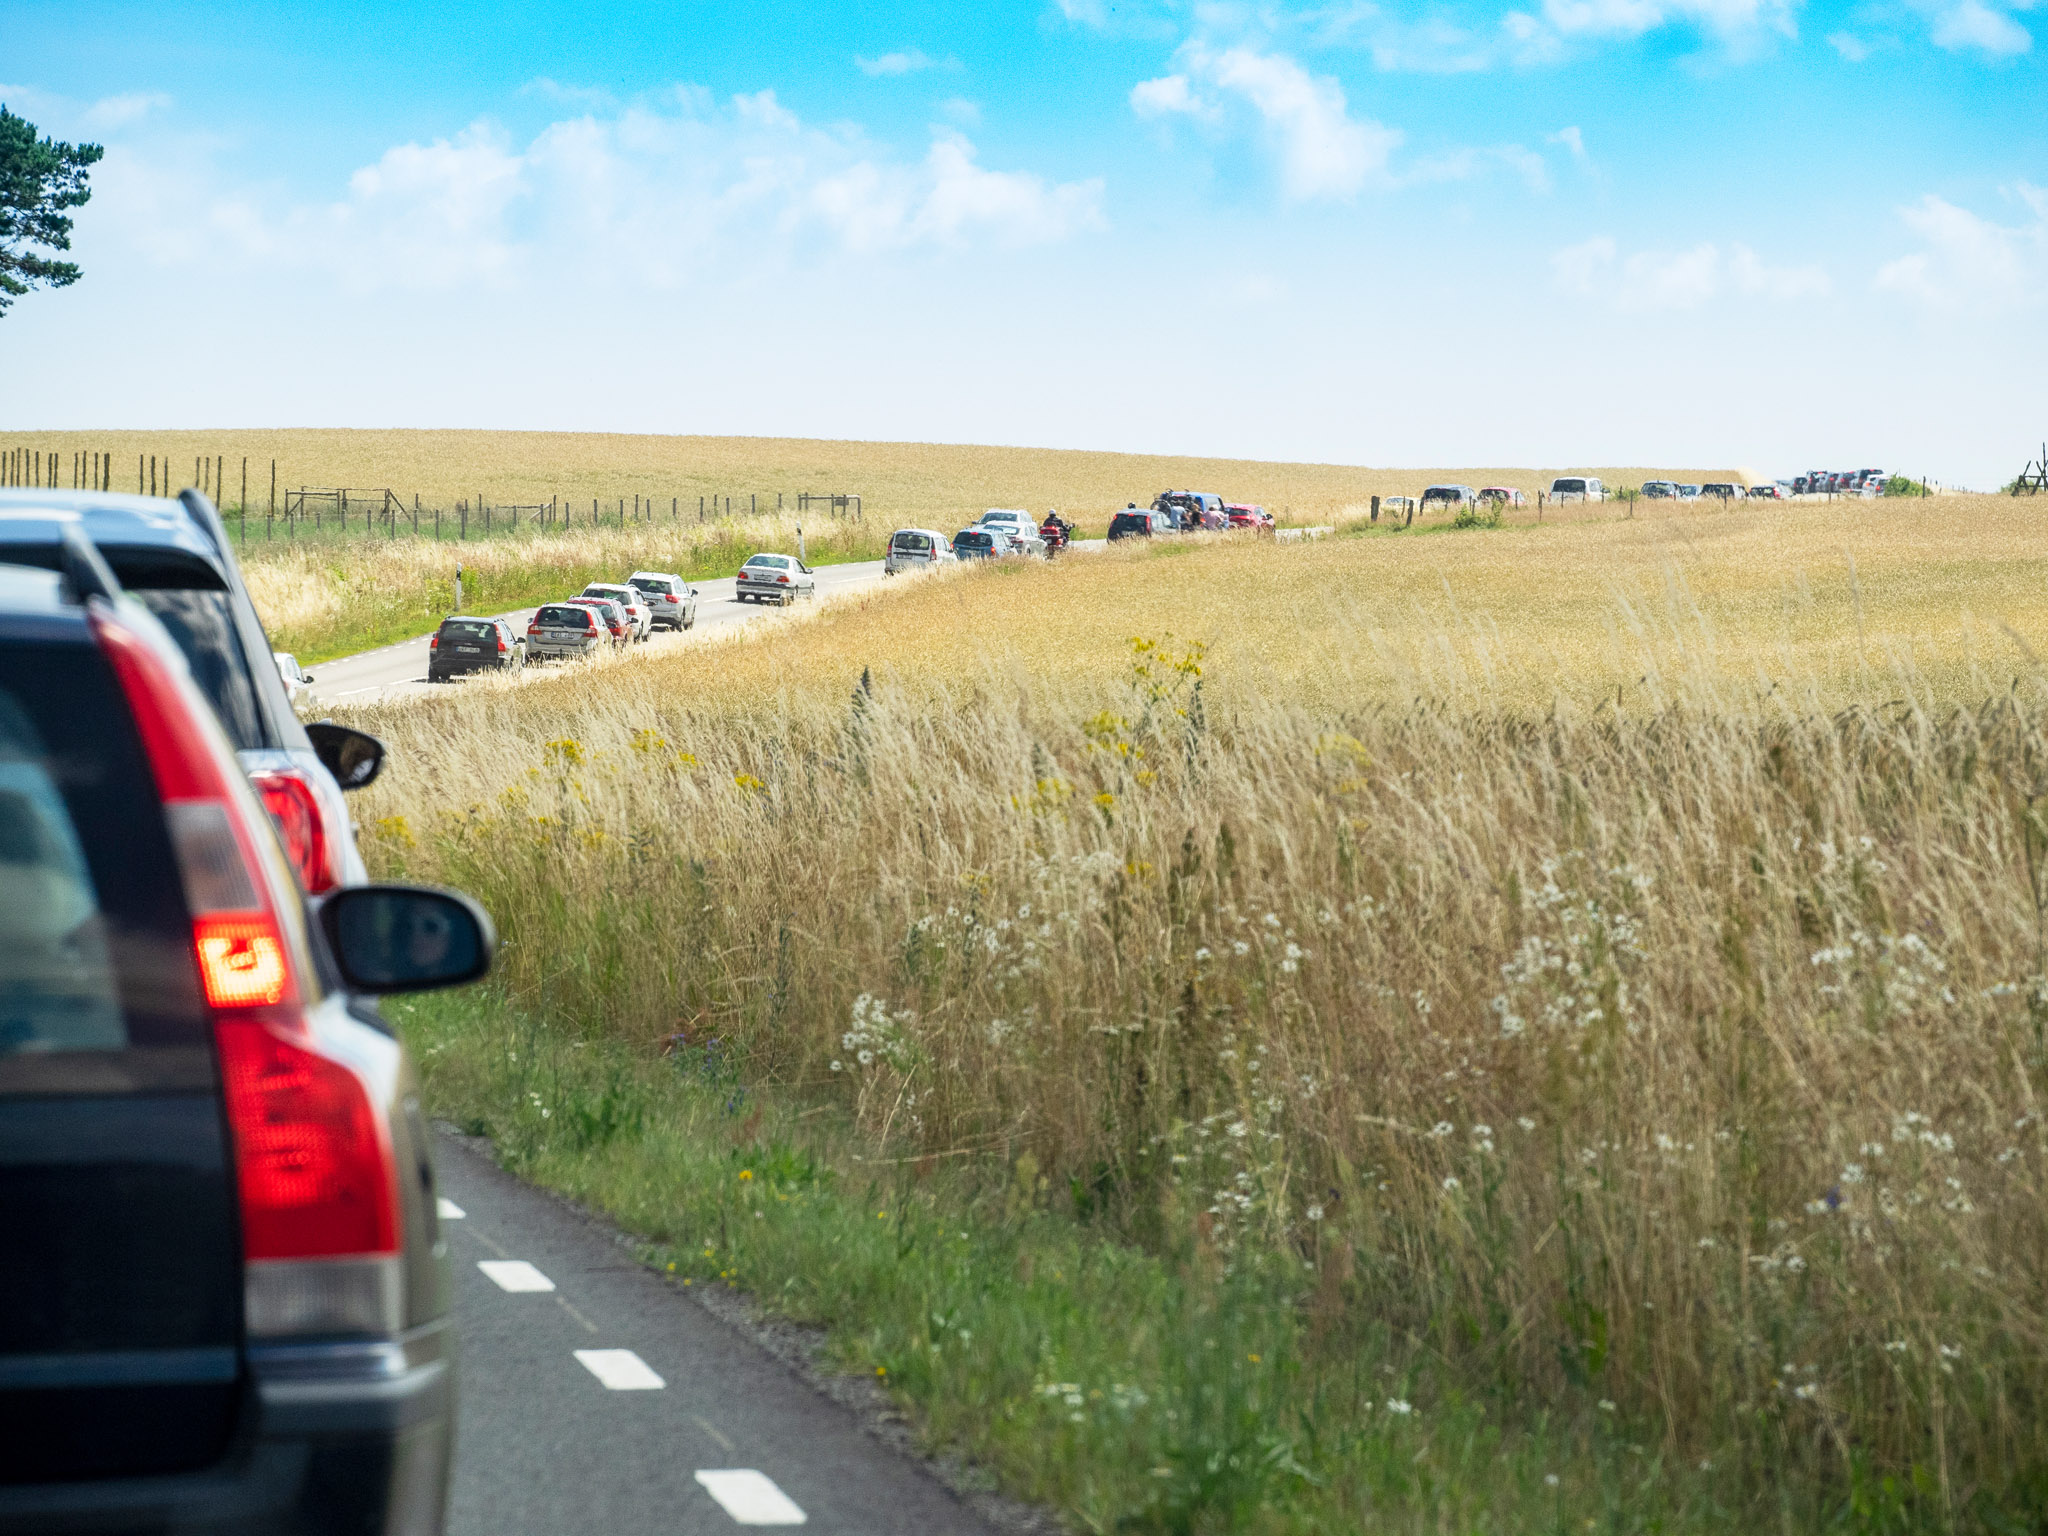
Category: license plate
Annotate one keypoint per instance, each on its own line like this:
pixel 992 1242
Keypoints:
pixel 469 650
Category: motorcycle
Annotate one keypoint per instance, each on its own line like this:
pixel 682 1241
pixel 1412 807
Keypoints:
pixel 1055 535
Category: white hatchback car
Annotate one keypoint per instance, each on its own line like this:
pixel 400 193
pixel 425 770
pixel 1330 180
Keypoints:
pixel 1577 488
pixel 917 549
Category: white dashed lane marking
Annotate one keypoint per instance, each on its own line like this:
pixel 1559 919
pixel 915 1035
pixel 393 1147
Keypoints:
pixel 450 1211
pixel 623 1371
pixel 515 1275
pixel 751 1497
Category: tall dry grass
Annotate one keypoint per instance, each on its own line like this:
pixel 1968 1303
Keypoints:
pixel 1677 1064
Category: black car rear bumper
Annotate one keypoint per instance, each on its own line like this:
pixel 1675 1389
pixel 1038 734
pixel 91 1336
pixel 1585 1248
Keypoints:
pixel 345 1438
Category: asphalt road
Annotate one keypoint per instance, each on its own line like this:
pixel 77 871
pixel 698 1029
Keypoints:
pixel 597 1396
pixel 394 671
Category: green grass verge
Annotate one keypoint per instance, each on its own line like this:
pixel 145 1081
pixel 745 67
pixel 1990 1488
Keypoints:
pixel 385 616
pixel 1129 1390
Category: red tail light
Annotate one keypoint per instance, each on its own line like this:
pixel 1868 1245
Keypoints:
pixel 533 628
pixel 295 808
pixel 241 961
pixel 783 579
pixel 314 1165
pixel 315 1173
pixel 502 646
pixel 434 641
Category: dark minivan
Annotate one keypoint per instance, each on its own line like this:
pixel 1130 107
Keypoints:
pixel 223 1289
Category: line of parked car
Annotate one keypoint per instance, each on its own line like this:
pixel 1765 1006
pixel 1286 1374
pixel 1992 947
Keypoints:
pixel 604 615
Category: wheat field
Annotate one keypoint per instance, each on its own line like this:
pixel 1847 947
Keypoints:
pixel 1603 964
pixel 900 482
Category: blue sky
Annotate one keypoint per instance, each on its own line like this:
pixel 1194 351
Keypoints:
pixel 1756 232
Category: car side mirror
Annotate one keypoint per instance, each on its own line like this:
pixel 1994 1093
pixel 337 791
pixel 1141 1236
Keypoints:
pixel 305 677
pixel 353 757
pixel 406 938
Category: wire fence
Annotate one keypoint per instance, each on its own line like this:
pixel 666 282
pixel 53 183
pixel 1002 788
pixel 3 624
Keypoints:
pixel 339 512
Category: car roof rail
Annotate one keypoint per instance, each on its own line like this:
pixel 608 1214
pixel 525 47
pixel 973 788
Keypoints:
pixel 56 541
pixel 85 573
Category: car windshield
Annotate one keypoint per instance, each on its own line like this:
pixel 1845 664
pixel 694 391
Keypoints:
pixel 1567 485
pixel 563 616
pixel 204 627
pixel 468 629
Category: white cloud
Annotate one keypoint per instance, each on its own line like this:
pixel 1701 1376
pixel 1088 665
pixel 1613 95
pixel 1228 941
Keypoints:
pixel 1573 141
pixel 1323 151
pixel 1970 262
pixel 1740 27
pixel 1849 46
pixel 1726 19
pixel 648 196
pixel 1166 95
pixel 1687 279
pixel 1086 13
pixel 949 201
pixel 116 112
pixel 1580 268
pixel 905 61
pixel 1973 24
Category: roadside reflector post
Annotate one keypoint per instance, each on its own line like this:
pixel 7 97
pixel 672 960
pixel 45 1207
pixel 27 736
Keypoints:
pixel 800 560
pixel 458 589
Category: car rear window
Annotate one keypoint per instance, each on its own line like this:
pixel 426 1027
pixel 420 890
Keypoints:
pixel 648 584
pixel 1567 485
pixel 204 627
pixel 561 616
pixel 977 540
pixel 94 939
pixel 468 629
pixel 915 541
pixel 770 562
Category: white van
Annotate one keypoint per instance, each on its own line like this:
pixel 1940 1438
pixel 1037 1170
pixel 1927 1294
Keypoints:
pixel 917 549
pixel 1576 488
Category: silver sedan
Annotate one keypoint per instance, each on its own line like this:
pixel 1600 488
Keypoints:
pixel 778 579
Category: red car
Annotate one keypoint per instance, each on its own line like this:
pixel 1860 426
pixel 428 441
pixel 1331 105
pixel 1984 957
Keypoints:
pixel 609 614
pixel 1243 515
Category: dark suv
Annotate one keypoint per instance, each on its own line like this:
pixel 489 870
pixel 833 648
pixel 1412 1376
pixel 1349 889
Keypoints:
pixel 461 646
pixel 223 1289
pixel 1137 523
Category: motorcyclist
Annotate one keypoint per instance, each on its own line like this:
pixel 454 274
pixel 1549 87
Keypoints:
pixel 1056 530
